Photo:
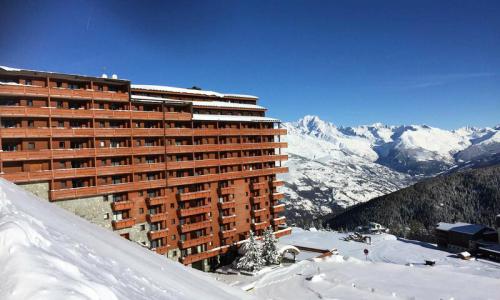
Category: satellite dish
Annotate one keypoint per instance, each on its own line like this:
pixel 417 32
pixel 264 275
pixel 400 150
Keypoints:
pixel 114 76
pixel 104 75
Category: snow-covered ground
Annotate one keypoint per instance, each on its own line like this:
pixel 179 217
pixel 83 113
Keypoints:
pixel 394 270
pixel 48 253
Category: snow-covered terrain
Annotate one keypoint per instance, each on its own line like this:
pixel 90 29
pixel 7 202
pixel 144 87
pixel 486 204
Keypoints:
pixel 394 269
pixel 333 167
pixel 49 253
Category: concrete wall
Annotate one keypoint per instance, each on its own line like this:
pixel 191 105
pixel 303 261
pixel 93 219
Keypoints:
pixel 93 209
pixel 40 189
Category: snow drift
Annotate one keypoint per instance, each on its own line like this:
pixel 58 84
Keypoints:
pixel 48 253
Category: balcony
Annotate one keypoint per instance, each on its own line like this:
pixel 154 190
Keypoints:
pixel 147 132
pixel 259 185
pixel 152 201
pixel 226 205
pixel 125 223
pixel 153 218
pixel 196 226
pixel 258 199
pixel 279 221
pixel 122 205
pixel 27 90
pixel 194 211
pixel 161 250
pixel 260 225
pixel 278 208
pixel 194 195
pixel 88 94
pixel 228 233
pixel 278 183
pixel 198 256
pixel 227 219
pixel 26 132
pixel 157 234
pixel 227 190
pixel 283 232
pixel 196 242
pixel 278 196
pixel 259 212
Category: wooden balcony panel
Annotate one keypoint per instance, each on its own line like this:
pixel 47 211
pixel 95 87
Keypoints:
pixel 162 250
pixel 147 115
pixel 175 116
pixel 175 165
pixel 148 150
pixel 110 170
pixel 122 205
pixel 152 201
pixel 278 183
pixel 279 221
pixel 206 132
pixel 283 232
pixel 278 208
pixel 194 211
pixel 72 132
pixel 227 219
pixel 111 114
pixel 258 199
pixel 72 153
pixel 260 225
pixel 23 111
pixel 226 205
pixel 192 179
pixel 153 218
pixel 196 242
pixel 113 132
pixel 126 223
pixel 157 234
pixel 69 93
pixel 148 132
pixel 102 95
pixel 278 196
pixel 194 195
pixel 149 167
pixel 260 185
pixel 115 151
pixel 259 212
pixel 23 90
pixel 74 173
pixel 196 226
pixel 44 154
pixel 25 132
pixel 227 190
pixel 150 184
pixel 28 176
pixel 71 113
pixel 228 233
pixel 178 132
pixel 186 260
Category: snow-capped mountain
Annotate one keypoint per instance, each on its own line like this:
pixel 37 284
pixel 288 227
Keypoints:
pixel 333 167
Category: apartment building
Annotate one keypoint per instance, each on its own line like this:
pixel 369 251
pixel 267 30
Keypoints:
pixel 185 172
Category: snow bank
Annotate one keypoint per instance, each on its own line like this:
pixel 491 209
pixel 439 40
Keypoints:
pixel 48 253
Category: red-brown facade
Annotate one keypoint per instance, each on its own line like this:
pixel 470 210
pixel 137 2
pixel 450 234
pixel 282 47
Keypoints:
pixel 197 170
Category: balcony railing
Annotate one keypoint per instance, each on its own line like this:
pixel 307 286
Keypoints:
pixel 122 205
pixel 260 225
pixel 196 226
pixel 228 233
pixel 283 232
pixel 125 223
pixel 153 218
pixel 279 221
pixel 227 204
pixel 278 196
pixel 227 219
pixel 196 242
pixel 194 195
pixel 258 199
pixel 161 250
pixel 174 181
pixel 227 190
pixel 157 234
pixel 259 185
pixel 277 183
pixel 278 208
pixel 198 256
pixel 194 211
pixel 152 201
pixel 259 212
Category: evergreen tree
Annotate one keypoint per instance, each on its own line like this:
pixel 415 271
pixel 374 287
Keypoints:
pixel 269 248
pixel 252 260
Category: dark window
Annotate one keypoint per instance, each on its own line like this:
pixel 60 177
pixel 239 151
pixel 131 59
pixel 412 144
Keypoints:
pixel 31 146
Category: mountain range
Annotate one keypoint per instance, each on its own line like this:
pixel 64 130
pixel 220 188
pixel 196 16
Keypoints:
pixel 333 167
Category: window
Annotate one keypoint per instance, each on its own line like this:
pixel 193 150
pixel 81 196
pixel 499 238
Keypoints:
pixel 143 227
pixel 101 105
pixel 60 124
pixel 106 216
pixel 31 124
pixel 29 103
pixel 58 84
pixel 173 237
pixel 172 205
pixel 141 210
pixel 61 145
pixel 28 82
pixel 31 146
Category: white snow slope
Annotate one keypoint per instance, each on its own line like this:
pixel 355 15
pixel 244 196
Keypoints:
pixel 49 253
pixel 394 270
pixel 331 168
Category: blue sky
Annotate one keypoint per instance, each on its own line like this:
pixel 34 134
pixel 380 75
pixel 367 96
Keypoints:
pixel 350 62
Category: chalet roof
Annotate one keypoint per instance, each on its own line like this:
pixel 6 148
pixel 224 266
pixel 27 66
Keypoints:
pixel 460 227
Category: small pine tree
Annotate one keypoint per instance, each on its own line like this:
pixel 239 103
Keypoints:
pixel 252 260
pixel 269 248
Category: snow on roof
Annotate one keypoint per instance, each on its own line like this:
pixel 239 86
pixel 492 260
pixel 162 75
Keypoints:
pixel 491 248
pixel 163 88
pixel 200 103
pixel 47 252
pixel 232 118
pixel 460 227
pixel 10 69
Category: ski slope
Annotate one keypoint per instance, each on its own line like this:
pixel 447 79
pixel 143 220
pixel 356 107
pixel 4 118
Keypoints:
pixel 48 253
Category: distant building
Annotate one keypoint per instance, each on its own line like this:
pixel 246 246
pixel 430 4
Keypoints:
pixel 458 237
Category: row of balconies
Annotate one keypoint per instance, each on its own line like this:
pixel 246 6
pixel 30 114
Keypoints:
pixel 196 226
pixel 189 259
pixel 194 195
pixel 62 93
pixel 45 112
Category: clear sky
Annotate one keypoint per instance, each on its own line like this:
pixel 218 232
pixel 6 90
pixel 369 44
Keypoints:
pixel 350 62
